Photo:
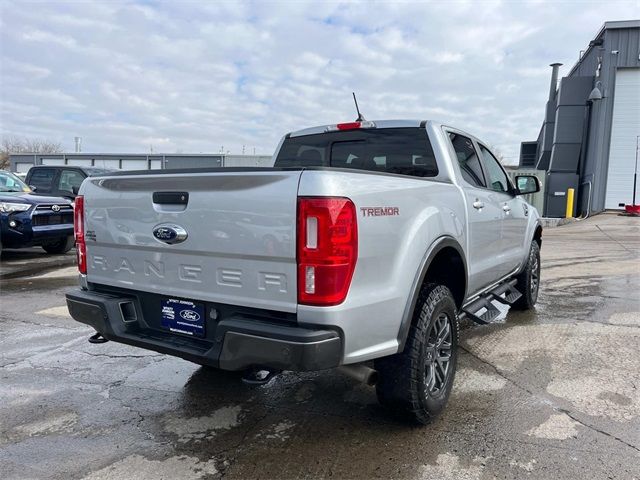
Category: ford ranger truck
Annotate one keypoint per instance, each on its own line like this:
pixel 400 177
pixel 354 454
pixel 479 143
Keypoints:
pixel 365 243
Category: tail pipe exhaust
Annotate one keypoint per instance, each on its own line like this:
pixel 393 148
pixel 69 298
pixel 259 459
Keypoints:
pixel 361 373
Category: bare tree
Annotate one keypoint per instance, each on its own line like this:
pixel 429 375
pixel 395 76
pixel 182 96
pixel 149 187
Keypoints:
pixel 15 144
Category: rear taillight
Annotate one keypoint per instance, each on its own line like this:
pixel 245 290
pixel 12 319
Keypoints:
pixel 78 232
pixel 327 249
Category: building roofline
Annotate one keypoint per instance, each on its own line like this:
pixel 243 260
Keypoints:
pixel 610 25
pixel 101 154
pixel 613 24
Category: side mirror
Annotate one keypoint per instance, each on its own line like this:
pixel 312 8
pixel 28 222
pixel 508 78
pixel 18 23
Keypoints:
pixel 527 184
pixel 75 190
pixel 33 188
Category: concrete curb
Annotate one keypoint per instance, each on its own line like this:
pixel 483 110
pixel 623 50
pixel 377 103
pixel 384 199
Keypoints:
pixel 556 222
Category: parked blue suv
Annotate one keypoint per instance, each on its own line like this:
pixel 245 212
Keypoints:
pixel 28 220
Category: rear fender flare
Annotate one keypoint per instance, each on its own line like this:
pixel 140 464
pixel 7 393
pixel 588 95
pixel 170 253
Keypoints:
pixel 431 253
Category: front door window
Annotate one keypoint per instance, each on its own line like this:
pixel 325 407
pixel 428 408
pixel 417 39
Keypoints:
pixel 498 180
pixel 68 180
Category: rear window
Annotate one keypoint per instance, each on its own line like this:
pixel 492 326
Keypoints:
pixel 42 179
pixel 404 151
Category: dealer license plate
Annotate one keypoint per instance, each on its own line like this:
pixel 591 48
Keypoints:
pixel 183 316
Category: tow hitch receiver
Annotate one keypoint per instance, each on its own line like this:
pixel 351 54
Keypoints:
pixel 97 338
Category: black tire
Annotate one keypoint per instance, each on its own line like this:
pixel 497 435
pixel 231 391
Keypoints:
pixel 416 383
pixel 529 280
pixel 63 245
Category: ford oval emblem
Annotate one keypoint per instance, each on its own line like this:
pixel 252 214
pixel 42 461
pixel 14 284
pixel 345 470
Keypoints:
pixel 190 315
pixel 169 233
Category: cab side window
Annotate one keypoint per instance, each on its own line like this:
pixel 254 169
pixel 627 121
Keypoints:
pixel 70 179
pixel 498 180
pixel 467 160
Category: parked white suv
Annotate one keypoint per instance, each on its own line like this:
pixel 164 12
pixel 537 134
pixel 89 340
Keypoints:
pixel 366 241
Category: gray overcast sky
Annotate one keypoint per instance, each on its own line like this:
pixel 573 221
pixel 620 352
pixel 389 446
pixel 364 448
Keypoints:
pixel 192 76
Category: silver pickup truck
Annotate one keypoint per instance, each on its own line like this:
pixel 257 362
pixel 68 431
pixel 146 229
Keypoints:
pixel 362 247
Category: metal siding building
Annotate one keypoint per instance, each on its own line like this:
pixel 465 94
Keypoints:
pixel 590 145
pixel 22 162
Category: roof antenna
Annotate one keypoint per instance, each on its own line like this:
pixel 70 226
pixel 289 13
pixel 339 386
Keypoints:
pixel 360 116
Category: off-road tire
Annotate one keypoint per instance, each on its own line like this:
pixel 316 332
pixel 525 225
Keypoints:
pixel 528 281
pixel 63 245
pixel 404 378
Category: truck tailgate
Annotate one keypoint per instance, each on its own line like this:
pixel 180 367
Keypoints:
pixel 240 226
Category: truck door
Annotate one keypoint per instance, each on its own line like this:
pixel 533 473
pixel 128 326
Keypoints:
pixel 484 216
pixel 514 223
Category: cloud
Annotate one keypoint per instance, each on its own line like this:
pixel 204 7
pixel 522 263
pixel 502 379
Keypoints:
pixel 194 76
pixel 448 57
pixel 46 37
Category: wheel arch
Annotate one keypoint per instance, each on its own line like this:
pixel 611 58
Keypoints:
pixel 444 252
pixel 535 237
pixel 537 234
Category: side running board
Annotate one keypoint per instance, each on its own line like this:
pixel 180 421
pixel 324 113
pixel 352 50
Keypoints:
pixel 483 311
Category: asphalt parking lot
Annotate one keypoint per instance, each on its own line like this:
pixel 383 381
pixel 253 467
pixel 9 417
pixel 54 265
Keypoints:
pixel 551 393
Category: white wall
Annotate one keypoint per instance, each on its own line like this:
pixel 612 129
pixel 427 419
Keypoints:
pixel 53 161
pixel 75 162
pixel 107 163
pixel 134 164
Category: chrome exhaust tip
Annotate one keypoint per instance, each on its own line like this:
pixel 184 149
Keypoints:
pixel 360 372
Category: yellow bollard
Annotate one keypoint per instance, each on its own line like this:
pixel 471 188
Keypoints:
pixel 569 212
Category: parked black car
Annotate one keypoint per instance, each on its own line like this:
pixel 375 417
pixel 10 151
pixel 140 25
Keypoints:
pixel 28 220
pixel 61 181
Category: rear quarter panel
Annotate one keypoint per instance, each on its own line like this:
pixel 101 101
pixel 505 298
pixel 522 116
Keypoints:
pixel 391 249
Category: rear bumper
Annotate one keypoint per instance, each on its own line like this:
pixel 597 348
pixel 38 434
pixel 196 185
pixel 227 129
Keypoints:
pixel 233 343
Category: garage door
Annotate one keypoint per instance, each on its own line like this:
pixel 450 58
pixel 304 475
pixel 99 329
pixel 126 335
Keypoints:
pixel 53 161
pixel 23 167
pixel 625 130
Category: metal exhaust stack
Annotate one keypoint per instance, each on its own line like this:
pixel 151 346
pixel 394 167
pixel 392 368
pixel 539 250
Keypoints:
pixel 554 80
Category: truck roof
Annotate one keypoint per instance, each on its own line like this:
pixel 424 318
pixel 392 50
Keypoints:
pixel 91 171
pixel 378 123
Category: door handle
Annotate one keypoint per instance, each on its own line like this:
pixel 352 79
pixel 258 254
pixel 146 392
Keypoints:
pixel 506 208
pixel 478 205
pixel 171 198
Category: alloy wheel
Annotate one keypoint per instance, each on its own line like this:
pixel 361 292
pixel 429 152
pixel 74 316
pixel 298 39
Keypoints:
pixel 535 278
pixel 438 355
